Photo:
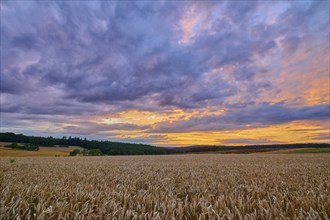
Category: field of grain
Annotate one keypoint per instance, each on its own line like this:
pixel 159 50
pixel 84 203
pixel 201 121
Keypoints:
pixel 42 152
pixel 253 186
pixel 7 152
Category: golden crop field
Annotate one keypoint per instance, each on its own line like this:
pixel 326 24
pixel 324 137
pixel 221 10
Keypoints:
pixel 7 152
pixel 205 186
pixel 42 152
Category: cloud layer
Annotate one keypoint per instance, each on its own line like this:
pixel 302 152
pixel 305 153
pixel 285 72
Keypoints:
pixel 84 67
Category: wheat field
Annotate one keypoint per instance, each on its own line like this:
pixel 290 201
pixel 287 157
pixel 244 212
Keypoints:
pixel 5 152
pixel 254 186
pixel 42 152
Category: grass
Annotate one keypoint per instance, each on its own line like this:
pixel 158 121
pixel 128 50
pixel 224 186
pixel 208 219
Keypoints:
pixel 312 151
pixel 301 151
pixel 199 186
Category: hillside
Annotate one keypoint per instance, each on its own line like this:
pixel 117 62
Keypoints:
pixel 250 148
pixel 106 147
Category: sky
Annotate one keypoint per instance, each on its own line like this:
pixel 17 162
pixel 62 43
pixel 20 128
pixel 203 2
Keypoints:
pixel 167 73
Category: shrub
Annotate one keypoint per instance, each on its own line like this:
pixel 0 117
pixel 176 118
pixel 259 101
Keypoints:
pixel 95 152
pixel 74 152
pixel 31 147
pixel 13 145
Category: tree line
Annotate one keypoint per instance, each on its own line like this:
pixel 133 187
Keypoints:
pixel 28 147
pixel 106 147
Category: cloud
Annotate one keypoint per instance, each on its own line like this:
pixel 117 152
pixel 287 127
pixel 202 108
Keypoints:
pixel 90 128
pixel 119 55
pixel 246 118
pixel 244 141
pixel 94 58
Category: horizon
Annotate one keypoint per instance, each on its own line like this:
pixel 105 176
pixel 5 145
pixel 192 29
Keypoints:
pixel 167 74
pixel 188 146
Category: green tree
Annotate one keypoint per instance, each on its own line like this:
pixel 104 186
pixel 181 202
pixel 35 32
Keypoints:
pixel 95 152
pixel 31 147
pixel 13 145
pixel 74 152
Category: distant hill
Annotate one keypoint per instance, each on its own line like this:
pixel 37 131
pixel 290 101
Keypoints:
pixel 107 147
pixel 248 148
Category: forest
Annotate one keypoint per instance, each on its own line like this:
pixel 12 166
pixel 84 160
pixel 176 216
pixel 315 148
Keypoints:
pixel 106 147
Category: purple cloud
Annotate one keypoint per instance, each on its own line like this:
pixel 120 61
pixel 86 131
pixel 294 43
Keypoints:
pixel 70 59
pixel 253 116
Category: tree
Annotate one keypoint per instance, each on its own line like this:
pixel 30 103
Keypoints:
pixel 31 147
pixel 95 152
pixel 13 145
pixel 74 152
